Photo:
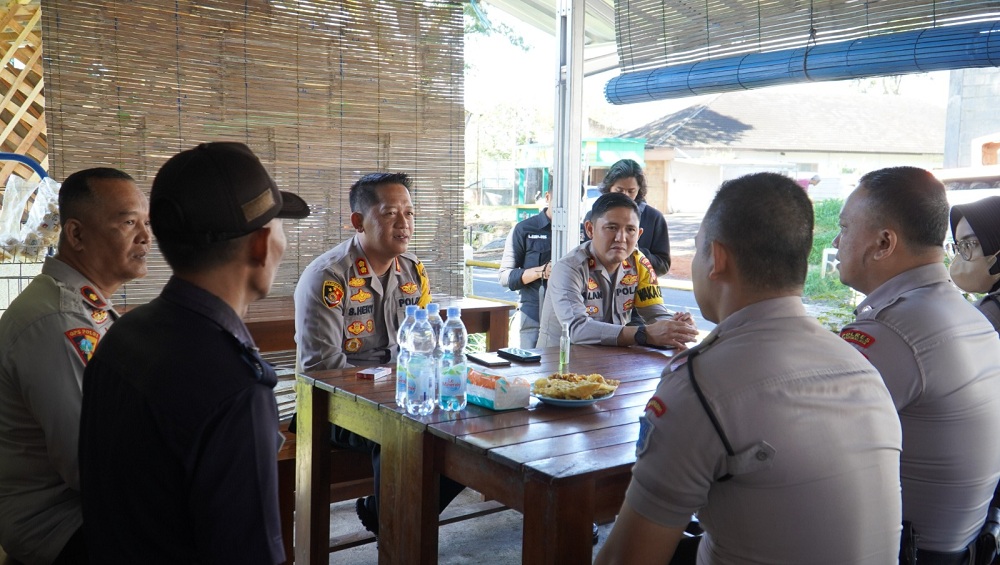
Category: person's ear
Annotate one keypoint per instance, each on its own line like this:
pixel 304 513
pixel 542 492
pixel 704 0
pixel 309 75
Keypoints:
pixel 358 221
pixel 588 228
pixel 72 234
pixel 640 233
pixel 885 244
pixel 722 264
pixel 258 245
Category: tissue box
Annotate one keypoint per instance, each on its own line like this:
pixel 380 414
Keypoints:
pixel 496 392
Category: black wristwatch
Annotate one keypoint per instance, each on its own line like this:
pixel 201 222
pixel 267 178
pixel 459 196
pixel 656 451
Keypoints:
pixel 640 335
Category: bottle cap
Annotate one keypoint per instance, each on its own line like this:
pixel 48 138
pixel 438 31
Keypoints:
pixel 433 308
pixel 421 315
pixel 454 312
pixel 412 309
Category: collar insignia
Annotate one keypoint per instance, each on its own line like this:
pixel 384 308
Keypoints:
pixel 92 298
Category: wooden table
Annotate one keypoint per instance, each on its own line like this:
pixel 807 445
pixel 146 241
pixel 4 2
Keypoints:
pixel 271 321
pixel 562 468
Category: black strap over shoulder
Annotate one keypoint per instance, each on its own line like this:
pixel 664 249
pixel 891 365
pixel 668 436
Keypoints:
pixel 711 414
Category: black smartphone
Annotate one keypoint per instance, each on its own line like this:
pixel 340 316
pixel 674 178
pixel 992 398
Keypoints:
pixel 517 354
pixel 488 359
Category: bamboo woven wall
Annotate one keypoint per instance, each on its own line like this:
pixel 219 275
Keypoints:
pixel 323 91
pixel 22 103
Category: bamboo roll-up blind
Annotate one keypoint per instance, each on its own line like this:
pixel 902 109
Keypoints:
pixel 323 91
pixel 659 33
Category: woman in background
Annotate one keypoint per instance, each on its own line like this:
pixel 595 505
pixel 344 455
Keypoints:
pixel 975 228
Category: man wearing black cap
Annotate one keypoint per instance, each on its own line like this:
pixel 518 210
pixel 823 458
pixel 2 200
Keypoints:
pixel 938 356
pixel 975 228
pixel 179 429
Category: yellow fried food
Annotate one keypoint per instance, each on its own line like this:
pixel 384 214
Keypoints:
pixel 574 387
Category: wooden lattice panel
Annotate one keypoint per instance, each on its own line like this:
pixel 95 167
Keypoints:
pixel 22 102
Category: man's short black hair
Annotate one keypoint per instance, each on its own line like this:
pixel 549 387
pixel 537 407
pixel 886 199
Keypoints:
pixel 364 192
pixel 911 199
pixel 611 200
pixel 766 221
pixel 624 169
pixel 76 191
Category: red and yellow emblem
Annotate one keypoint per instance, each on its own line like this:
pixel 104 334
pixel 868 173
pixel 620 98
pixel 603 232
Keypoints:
pixel 91 296
pixel 333 293
pixel 361 296
pixel 857 337
pixel 626 264
pixel 658 407
pixel 591 284
pixel 99 316
pixel 352 345
pixel 362 266
pixel 649 267
pixel 591 310
pixel 371 326
pixel 628 305
pixel 84 341
pixel 409 288
pixel 630 279
pixel 356 327
pixel 356 282
pixel 591 263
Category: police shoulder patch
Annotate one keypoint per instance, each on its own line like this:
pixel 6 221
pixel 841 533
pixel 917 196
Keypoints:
pixel 657 406
pixel 84 341
pixel 857 337
pixel 645 431
pixel 333 293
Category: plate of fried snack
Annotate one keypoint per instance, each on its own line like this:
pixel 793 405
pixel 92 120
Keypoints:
pixel 571 389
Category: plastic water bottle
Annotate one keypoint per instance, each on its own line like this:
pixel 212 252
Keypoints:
pixel 420 368
pixel 451 387
pixel 403 355
pixel 434 317
pixel 564 345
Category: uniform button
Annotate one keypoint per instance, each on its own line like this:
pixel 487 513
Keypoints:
pixel 761 456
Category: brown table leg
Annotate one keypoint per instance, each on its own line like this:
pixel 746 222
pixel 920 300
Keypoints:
pixel 557 523
pixel 312 475
pixel 408 509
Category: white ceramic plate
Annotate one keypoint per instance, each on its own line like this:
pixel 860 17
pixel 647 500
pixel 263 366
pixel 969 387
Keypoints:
pixel 570 403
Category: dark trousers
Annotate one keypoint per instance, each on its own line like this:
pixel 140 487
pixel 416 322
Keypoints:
pixel 74 552
pixel 346 439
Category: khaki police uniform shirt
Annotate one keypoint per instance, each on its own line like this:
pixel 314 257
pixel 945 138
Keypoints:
pixel 595 303
pixel 344 316
pixel 47 336
pixel 940 360
pixel 815 475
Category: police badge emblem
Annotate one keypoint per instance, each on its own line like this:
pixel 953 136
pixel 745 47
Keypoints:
pixel 333 294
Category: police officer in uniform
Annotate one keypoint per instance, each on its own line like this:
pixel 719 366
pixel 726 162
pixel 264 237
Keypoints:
pixel 350 301
pixel 596 287
pixel 778 435
pixel 938 355
pixel 47 337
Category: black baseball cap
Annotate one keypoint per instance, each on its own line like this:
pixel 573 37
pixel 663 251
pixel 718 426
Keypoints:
pixel 214 192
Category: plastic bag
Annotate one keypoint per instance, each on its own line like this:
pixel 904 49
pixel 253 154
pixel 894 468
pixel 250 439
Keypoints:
pixel 41 231
pixel 15 198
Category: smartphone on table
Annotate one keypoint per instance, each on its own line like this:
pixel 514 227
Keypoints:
pixel 520 355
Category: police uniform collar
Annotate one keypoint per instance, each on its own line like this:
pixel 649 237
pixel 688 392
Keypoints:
pixel 82 289
pixel 890 291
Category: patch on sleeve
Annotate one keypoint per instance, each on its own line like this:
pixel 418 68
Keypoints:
pixel 857 337
pixel 333 293
pixel 649 267
pixel 658 407
pixel 92 298
pixel 84 341
pixel 645 430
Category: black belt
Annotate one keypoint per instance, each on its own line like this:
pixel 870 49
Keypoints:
pixel 927 557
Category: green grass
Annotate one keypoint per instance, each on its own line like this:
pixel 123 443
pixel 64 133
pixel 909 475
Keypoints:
pixel 836 298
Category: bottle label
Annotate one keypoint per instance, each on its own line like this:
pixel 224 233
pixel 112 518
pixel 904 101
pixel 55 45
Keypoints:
pixel 453 379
